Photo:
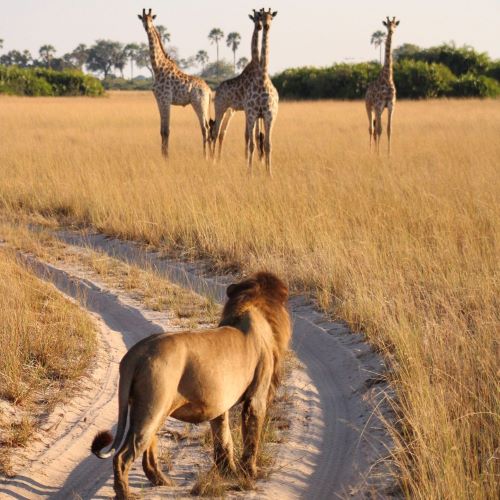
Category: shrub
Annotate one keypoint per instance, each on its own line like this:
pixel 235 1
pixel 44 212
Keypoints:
pixel 470 85
pixel 460 60
pixel 413 79
pixel 493 70
pixel 418 79
pixel 47 82
pixel 344 81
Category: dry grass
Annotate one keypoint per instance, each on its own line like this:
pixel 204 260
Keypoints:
pixel 47 343
pixel 405 248
pixel 188 309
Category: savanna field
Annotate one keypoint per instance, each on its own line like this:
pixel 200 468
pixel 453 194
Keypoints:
pixel 405 248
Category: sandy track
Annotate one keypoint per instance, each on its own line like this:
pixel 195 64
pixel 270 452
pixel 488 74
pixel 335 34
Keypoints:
pixel 334 440
pixel 347 441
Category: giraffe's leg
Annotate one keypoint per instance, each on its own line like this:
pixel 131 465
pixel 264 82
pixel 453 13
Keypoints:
pixel 259 138
pixel 390 110
pixel 223 444
pixel 151 466
pixel 165 128
pixel 369 112
pixel 201 110
pixel 268 128
pixel 220 111
pixel 251 118
pixel 378 128
pixel 225 123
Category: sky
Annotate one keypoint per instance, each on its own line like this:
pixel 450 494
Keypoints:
pixel 306 32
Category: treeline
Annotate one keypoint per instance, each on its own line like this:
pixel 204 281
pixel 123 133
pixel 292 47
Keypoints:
pixel 47 82
pixel 443 71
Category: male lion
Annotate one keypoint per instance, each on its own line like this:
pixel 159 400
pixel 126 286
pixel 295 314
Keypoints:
pixel 199 376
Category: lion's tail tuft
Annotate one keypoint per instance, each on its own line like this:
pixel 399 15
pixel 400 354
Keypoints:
pixel 102 440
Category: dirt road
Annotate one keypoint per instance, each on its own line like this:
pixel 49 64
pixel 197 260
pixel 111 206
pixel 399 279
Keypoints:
pixel 335 438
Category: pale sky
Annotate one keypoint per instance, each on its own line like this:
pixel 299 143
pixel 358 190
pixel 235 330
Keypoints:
pixel 306 32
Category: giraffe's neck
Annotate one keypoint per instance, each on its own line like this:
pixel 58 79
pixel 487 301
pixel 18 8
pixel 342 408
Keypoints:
pixel 264 57
pixel 156 50
pixel 255 45
pixel 387 69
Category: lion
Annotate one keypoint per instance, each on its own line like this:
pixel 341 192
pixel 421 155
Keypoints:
pixel 195 376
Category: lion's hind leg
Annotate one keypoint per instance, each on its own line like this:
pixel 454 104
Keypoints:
pixel 252 420
pixel 223 444
pixel 142 430
pixel 151 467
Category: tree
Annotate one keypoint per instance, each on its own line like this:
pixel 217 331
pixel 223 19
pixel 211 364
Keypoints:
pixel 377 40
pixel 47 53
pixel 202 58
pixel 164 34
pixel 142 58
pixel 233 42
pixel 187 63
pixel 106 54
pixel 79 55
pixel 406 51
pixel 215 36
pixel 16 58
pixel 1 43
pixel 242 62
pixel 221 70
pixel 131 51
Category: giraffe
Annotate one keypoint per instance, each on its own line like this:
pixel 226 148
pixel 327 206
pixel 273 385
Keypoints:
pixel 231 94
pixel 381 93
pixel 173 87
pixel 263 102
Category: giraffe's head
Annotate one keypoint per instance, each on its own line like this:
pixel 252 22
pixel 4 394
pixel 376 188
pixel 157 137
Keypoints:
pixel 266 17
pixel 390 24
pixel 255 17
pixel 146 18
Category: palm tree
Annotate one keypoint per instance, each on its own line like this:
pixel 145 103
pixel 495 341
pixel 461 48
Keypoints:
pixel 377 40
pixel 242 62
pixel 233 42
pixel 131 51
pixel 164 34
pixel 202 58
pixel 215 36
pixel 46 53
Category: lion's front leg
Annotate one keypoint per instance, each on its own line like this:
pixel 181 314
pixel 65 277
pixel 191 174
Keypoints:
pixel 223 444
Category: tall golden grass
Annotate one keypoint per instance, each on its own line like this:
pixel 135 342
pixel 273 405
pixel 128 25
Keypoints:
pixel 47 343
pixel 405 248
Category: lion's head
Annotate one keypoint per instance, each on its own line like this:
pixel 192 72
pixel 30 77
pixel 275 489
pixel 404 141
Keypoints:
pixel 269 294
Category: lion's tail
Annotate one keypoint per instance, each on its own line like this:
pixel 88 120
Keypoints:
pixel 104 438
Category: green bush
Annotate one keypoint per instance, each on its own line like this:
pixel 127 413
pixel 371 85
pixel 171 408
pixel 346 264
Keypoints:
pixel 413 79
pixel 418 79
pixel 341 81
pixel 114 83
pixel 493 70
pixel 47 82
pixel 460 60
pixel 471 85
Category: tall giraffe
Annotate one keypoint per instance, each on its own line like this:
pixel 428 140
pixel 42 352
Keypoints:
pixel 173 87
pixel 381 93
pixel 264 104
pixel 231 94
